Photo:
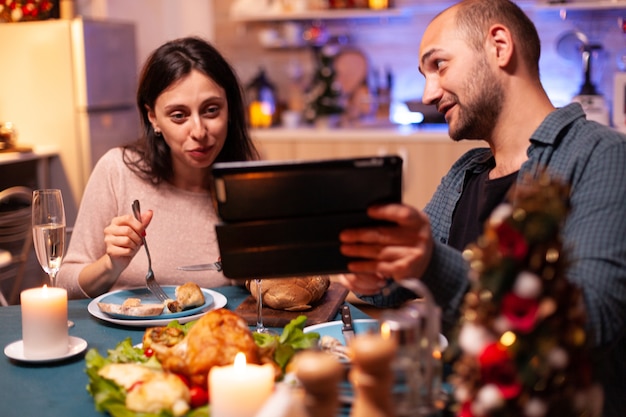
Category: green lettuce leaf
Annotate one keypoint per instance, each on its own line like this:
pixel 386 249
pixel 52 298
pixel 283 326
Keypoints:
pixel 291 340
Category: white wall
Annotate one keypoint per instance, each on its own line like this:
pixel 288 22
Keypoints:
pixel 157 21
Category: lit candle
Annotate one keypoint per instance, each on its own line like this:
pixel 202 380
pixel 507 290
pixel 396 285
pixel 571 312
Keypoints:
pixel 44 322
pixel 241 389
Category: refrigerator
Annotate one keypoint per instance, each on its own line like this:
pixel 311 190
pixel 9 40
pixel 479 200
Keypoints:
pixel 70 84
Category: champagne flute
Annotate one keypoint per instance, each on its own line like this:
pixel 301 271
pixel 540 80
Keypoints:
pixel 49 230
pixel 260 328
pixel 48 218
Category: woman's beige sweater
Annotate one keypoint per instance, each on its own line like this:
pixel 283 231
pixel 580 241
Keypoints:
pixel 182 230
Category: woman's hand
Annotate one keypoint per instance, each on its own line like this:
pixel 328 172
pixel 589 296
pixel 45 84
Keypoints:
pixel 401 250
pixel 123 238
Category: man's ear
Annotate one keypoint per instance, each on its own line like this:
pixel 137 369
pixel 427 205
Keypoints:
pixel 500 42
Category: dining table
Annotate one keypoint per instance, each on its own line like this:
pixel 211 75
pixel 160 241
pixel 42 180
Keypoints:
pixel 58 388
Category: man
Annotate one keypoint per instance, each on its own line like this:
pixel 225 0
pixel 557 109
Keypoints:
pixel 480 59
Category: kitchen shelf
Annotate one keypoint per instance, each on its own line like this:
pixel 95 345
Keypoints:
pixel 583 6
pixel 335 14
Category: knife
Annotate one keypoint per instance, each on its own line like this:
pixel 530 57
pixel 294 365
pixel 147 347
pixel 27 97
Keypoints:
pixel 347 329
pixel 215 266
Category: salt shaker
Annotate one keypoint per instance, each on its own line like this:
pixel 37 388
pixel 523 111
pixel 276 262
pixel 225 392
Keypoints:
pixel 371 376
pixel 319 374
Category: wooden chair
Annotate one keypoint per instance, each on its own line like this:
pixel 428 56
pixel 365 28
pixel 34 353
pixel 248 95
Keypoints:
pixel 16 237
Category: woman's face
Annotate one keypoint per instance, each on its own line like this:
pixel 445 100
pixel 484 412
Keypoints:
pixel 192 116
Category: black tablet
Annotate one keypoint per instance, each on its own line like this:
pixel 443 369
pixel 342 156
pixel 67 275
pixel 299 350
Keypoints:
pixel 283 219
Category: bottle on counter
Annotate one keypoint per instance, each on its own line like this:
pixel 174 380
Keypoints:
pixel 262 103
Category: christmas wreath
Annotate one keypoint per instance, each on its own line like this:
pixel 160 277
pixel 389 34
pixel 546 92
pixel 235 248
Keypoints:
pixel 522 348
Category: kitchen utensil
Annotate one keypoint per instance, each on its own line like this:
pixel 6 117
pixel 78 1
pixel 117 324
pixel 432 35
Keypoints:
pixel 574 45
pixel 347 329
pixel 151 283
pixel 214 266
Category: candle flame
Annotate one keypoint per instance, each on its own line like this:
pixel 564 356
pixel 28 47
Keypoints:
pixel 240 361
pixel 385 330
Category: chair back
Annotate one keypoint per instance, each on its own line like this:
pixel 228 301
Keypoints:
pixel 15 236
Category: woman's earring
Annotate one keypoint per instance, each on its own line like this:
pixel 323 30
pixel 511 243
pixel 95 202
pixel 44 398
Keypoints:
pixel 157 132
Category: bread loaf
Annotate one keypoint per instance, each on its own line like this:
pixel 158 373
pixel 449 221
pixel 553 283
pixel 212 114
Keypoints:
pixel 291 294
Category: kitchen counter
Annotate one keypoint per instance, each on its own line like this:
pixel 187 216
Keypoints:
pixel 427 152
pixel 427 133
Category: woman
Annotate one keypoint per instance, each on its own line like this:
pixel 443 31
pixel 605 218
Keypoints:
pixel 193 115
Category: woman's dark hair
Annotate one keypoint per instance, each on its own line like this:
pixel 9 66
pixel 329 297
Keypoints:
pixel 151 157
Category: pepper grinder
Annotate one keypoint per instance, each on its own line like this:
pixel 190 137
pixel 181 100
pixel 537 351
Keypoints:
pixel 372 376
pixel 320 374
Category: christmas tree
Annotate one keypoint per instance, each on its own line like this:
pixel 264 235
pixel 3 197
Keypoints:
pixel 522 348
pixel 323 97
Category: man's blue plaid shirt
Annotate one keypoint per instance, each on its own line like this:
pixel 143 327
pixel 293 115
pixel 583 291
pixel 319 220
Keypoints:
pixel 592 159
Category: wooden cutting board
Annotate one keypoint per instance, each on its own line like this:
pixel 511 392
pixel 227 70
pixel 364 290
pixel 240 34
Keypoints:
pixel 323 311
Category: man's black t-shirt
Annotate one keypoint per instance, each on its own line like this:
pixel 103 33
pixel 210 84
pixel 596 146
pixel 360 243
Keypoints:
pixel 480 196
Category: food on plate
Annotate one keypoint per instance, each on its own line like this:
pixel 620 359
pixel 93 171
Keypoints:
pixel 149 390
pixel 132 307
pixel 213 340
pixel 164 336
pixel 188 295
pixel 291 294
pixel 331 345
pixel 132 381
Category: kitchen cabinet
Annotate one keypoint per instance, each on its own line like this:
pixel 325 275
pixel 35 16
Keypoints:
pixel 310 15
pixel 427 154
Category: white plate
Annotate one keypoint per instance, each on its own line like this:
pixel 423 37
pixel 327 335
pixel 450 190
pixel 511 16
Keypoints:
pixel 219 301
pixel 15 351
pixel 146 297
pixel 333 329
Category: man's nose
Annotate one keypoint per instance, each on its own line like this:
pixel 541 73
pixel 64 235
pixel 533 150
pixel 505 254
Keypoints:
pixel 432 92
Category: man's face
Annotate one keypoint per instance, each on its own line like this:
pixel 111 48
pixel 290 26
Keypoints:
pixel 459 81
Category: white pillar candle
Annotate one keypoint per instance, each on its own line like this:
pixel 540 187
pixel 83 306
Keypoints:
pixel 44 322
pixel 241 389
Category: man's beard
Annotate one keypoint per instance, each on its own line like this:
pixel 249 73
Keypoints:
pixel 476 118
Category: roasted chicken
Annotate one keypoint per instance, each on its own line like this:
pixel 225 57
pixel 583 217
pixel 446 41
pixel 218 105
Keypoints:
pixel 214 340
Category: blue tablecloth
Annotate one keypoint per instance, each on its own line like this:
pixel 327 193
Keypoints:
pixel 58 389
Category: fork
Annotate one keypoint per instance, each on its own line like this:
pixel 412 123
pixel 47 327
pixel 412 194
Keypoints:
pixel 151 283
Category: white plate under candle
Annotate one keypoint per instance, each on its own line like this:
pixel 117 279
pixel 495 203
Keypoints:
pixel 15 351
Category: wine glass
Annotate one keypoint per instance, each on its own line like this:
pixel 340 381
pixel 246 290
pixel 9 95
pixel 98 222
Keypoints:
pixel 260 328
pixel 49 230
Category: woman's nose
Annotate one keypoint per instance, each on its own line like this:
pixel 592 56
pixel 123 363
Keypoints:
pixel 198 129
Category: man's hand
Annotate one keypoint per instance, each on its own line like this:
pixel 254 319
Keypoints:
pixel 398 251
